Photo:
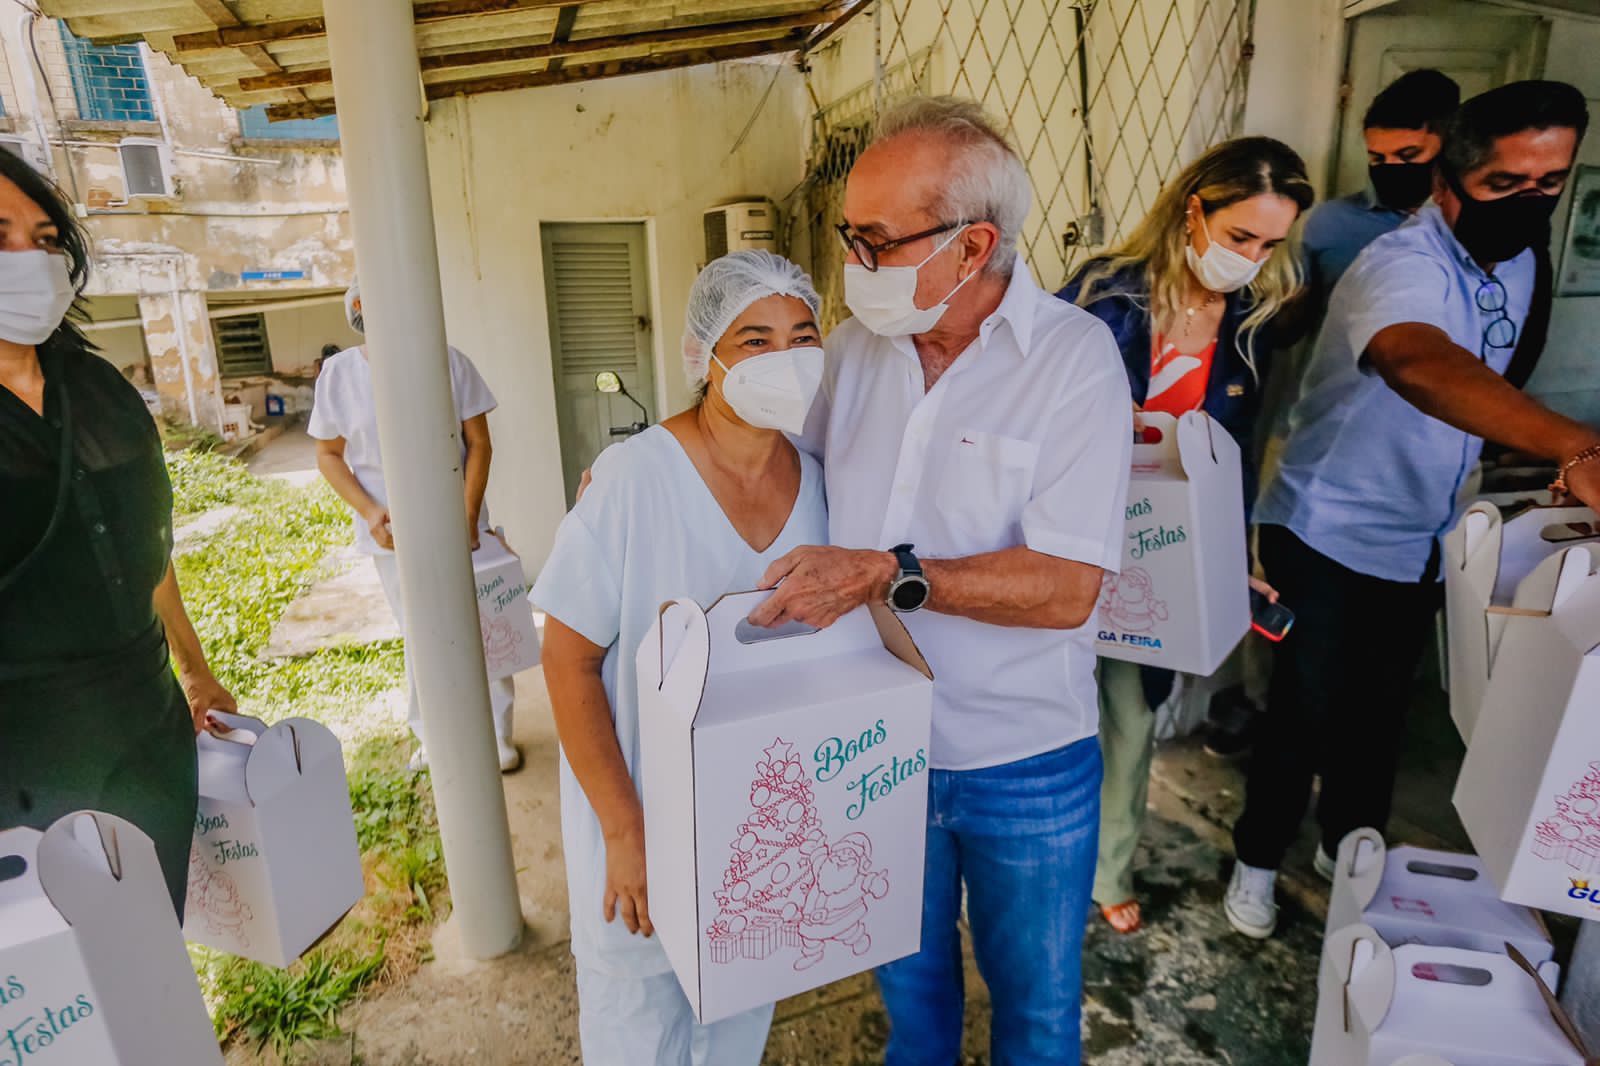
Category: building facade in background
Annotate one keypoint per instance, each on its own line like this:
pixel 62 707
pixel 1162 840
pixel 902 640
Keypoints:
pixel 221 241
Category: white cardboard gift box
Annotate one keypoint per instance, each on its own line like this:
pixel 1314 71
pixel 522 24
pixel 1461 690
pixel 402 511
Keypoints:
pixel 93 971
pixel 1415 896
pixel 785 789
pixel 275 863
pixel 1182 600
pixel 1382 1006
pixel 1485 559
pixel 1529 789
pixel 510 638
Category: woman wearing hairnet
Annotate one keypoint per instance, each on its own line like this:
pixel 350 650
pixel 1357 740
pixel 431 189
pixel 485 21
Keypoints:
pixel 698 506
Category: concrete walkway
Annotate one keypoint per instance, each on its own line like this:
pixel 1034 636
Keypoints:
pixel 1185 991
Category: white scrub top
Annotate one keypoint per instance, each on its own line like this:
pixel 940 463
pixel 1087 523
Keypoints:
pixel 343 407
pixel 648 530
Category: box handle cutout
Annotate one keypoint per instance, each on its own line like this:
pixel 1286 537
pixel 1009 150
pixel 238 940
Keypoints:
pixel 1448 973
pixel 88 832
pixel 745 633
pixel 1569 532
pixel 12 867
pixel 1440 869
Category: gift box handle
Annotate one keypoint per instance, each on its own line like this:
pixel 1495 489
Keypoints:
pixel 12 867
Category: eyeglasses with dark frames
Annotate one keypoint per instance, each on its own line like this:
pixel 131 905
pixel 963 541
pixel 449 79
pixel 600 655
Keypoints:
pixel 1501 332
pixel 867 253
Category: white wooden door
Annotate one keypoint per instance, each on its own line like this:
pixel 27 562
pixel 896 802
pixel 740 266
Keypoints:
pixel 1479 46
pixel 594 279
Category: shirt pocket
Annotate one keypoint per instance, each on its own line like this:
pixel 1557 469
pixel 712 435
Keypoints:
pixel 987 481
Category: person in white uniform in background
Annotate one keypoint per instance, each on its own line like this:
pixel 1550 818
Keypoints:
pixel 344 422
pixel 696 507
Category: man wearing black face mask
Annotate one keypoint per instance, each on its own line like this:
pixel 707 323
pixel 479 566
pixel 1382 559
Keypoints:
pixel 1408 376
pixel 1403 131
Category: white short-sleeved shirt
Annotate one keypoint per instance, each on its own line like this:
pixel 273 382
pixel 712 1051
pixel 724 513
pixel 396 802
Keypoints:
pixel 343 407
pixel 647 530
pixel 1025 440
pixel 1366 478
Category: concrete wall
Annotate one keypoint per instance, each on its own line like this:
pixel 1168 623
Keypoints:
pixel 238 205
pixel 1300 49
pixel 652 147
pixel 297 335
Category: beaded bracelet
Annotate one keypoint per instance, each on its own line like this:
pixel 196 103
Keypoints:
pixel 1558 487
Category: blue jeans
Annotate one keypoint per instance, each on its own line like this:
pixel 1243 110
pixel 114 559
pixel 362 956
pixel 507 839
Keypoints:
pixel 1023 837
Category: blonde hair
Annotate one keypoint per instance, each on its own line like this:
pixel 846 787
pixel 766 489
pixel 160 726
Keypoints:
pixel 1225 174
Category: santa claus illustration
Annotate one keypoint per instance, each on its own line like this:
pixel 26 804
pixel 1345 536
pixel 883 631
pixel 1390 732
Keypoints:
pixel 835 907
pixel 214 897
pixel 1128 601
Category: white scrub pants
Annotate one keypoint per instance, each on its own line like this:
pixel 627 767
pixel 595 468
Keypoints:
pixel 647 1021
pixel 502 693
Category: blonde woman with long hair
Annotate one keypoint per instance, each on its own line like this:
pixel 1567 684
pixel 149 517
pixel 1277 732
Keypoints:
pixel 1191 297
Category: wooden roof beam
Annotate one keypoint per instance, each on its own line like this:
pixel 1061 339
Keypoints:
pixel 559 50
pixel 839 23
pixel 616 68
pixel 300 29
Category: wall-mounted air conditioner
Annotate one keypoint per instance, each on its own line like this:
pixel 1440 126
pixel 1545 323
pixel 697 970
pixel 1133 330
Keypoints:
pixel 740 226
pixel 146 168
pixel 26 148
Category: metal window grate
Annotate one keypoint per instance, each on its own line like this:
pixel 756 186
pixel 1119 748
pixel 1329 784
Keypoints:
pixel 242 345
pixel 1106 100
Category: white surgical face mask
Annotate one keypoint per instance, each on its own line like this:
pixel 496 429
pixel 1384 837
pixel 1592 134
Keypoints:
pixel 774 390
pixel 35 293
pixel 885 300
pixel 1221 269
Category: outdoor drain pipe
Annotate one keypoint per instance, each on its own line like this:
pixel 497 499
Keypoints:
pixel 375 76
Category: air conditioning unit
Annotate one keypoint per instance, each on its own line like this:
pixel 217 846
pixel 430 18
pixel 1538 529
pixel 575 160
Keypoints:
pixel 146 168
pixel 27 149
pixel 741 226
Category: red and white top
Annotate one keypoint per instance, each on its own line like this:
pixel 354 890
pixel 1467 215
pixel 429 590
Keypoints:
pixel 1177 380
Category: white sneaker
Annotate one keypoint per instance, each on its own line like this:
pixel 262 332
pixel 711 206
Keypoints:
pixel 510 756
pixel 1323 864
pixel 1249 904
pixel 419 760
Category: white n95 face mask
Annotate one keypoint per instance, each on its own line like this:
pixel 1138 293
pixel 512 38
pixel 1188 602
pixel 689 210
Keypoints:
pixel 774 390
pixel 1221 269
pixel 885 300
pixel 35 294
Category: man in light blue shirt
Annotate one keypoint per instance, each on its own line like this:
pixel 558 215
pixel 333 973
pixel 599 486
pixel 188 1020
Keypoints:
pixel 1402 131
pixel 1405 381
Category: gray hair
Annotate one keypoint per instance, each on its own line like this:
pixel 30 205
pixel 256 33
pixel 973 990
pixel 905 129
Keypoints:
pixel 986 182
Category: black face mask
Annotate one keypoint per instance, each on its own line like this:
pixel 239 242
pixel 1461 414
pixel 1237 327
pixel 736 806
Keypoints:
pixel 1401 186
pixel 1493 231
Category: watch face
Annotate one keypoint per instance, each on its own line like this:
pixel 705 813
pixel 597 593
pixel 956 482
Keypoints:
pixel 909 594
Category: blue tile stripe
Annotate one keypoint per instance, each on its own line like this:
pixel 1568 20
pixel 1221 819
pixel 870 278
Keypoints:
pixel 109 81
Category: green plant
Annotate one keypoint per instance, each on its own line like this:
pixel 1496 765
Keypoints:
pixel 274 1008
pixel 237 581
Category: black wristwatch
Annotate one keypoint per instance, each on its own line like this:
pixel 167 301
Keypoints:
pixel 909 591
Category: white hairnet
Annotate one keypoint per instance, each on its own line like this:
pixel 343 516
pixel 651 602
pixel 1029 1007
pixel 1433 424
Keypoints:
pixel 722 292
pixel 351 315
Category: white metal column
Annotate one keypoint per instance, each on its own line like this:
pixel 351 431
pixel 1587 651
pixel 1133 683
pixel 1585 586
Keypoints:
pixel 378 87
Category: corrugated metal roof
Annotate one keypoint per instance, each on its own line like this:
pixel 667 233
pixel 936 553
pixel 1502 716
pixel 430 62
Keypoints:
pixel 274 52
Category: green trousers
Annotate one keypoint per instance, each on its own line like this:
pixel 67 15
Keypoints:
pixel 1127 745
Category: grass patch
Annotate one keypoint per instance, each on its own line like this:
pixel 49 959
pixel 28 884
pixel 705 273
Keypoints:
pixel 236 582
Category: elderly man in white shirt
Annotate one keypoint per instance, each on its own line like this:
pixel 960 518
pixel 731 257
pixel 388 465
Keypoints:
pixel 976 435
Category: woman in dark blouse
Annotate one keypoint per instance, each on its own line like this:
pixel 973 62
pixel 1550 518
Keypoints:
pixel 91 715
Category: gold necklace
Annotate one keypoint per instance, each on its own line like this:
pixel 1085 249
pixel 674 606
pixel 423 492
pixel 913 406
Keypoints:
pixel 1189 312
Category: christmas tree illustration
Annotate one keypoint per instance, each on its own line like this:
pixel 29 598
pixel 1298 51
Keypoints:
pixel 1572 832
pixel 786 885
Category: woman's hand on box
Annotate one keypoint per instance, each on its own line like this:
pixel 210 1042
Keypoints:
pixel 204 693
pixel 626 891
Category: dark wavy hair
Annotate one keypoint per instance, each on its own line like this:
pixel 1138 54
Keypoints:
pixel 1505 111
pixel 72 238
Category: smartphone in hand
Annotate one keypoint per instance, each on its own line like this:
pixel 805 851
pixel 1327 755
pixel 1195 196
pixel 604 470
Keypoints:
pixel 1271 620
